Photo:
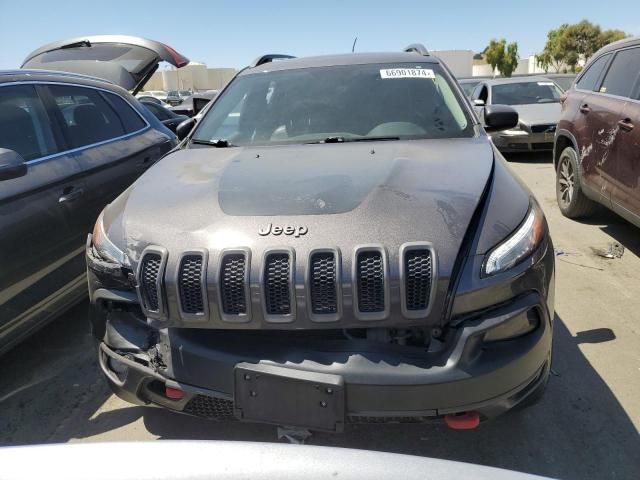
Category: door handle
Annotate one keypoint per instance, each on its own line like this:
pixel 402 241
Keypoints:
pixel 584 108
pixel 69 194
pixel 626 124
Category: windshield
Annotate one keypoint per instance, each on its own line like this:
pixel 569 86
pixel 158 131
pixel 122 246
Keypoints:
pixel 526 93
pixel 345 102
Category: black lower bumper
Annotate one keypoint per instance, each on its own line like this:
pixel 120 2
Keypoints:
pixel 368 381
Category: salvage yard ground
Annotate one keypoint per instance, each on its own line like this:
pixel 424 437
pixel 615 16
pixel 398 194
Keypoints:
pixel 586 427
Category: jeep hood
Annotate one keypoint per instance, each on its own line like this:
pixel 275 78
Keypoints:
pixel 343 195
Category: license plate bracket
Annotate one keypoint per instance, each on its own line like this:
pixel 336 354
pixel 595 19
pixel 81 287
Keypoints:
pixel 284 396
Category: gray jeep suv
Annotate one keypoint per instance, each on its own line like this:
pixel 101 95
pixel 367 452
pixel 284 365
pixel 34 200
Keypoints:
pixel 336 241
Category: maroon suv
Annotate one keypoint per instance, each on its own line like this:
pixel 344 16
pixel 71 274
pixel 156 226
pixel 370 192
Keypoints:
pixel 597 142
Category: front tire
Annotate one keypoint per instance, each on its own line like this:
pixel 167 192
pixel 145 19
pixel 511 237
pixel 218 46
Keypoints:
pixel 571 199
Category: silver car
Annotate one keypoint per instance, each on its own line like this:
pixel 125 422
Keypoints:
pixel 537 101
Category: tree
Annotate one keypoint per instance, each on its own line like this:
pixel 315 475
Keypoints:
pixel 510 61
pixel 502 56
pixel 569 45
pixel 553 56
pixel 610 36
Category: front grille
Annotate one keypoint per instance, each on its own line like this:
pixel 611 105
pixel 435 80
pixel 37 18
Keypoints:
pixel 542 146
pixel 417 281
pixel 210 407
pixel 323 283
pixel 370 280
pixel 190 284
pixel 277 284
pixel 232 284
pixel 550 128
pixel 149 273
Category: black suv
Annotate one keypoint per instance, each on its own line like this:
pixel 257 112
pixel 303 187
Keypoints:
pixel 337 241
pixel 69 144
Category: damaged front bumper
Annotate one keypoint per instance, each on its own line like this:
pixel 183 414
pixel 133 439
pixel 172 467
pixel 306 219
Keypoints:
pixel 284 377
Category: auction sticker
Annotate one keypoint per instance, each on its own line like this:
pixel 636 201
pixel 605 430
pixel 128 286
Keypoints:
pixel 406 73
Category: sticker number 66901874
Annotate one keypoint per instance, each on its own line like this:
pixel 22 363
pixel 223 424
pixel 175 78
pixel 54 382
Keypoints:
pixel 406 73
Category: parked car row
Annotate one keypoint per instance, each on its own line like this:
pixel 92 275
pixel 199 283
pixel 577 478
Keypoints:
pixel 590 120
pixel 253 240
pixel 70 143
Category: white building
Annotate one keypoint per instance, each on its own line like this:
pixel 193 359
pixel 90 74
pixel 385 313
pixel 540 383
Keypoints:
pixel 195 76
pixel 460 62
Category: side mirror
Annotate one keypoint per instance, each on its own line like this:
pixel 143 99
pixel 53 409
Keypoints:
pixel 12 165
pixel 499 117
pixel 184 128
pixel 478 102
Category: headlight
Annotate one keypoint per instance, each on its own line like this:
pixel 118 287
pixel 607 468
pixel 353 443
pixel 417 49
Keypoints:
pixel 105 248
pixel 522 243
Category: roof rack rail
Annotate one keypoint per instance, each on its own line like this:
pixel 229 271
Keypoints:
pixel 268 58
pixel 417 48
pixel 59 73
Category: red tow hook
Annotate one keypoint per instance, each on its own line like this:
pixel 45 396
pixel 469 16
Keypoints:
pixel 462 421
pixel 173 393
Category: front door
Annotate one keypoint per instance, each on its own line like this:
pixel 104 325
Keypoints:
pixel 39 251
pixel 597 127
pixel 112 143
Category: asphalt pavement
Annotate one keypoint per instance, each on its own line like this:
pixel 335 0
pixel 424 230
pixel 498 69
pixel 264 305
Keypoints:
pixel 587 426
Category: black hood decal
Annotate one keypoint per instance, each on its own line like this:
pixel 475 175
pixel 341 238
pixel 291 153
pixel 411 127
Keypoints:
pixel 301 181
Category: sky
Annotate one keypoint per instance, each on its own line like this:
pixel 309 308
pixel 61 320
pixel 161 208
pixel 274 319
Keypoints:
pixel 232 33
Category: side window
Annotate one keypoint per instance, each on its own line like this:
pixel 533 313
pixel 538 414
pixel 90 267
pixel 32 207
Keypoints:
pixel 623 73
pixel 24 125
pixel 589 78
pixel 88 117
pixel 130 118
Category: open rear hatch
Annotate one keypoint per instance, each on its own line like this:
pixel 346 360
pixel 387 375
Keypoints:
pixel 124 60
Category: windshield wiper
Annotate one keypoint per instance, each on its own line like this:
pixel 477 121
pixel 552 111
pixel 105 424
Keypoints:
pixel 356 139
pixel 217 143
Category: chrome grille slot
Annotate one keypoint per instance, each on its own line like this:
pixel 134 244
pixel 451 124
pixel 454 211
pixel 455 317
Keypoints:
pixel 149 281
pixel 233 284
pixel 277 284
pixel 324 298
pixel 418 278
pixel 549 128
pixel 190 284
pixel 370 279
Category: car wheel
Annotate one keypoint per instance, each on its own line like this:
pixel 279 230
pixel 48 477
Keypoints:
pixel 572 201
